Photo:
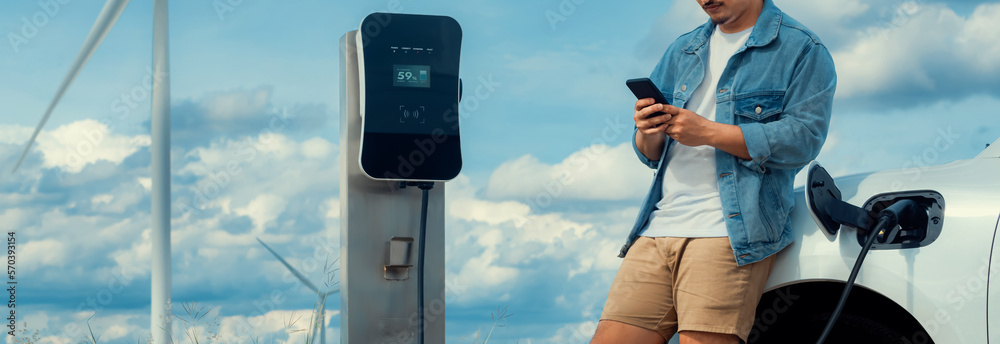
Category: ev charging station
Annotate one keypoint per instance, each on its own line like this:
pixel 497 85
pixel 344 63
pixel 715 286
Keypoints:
pixel 399 141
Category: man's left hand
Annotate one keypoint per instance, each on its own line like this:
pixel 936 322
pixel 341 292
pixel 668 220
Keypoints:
pixel 689 128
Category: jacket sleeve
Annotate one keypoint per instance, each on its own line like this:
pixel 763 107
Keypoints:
pixel 653 164
pixel 795 138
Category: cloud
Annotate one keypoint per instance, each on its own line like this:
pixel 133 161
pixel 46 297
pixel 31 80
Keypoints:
pixel 242 112
pixel 40 253
pixel 894 139
pixel 573 333
pixel 332 208
pixel 926 53
pixel 503 249
pixel 263 209
pixel 597 172
pixel 72 146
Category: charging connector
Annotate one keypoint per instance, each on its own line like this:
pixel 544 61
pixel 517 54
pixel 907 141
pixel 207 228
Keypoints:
pixel 888 219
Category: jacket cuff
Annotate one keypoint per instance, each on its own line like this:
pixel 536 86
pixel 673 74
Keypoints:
pixel 653 164
pixel 757 146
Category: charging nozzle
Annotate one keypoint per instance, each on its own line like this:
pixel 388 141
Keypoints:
pixel 902 213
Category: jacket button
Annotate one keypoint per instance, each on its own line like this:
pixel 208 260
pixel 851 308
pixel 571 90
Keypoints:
pixel 684 88
pixel 758 110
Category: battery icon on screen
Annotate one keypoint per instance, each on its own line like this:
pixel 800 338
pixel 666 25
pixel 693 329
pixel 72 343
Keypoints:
pixel 423 75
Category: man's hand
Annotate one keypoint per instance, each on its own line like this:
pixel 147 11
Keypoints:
pixel 690 129
pixel 649 139
pixel 646 118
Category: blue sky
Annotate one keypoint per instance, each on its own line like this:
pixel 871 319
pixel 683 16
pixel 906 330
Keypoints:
pixel 909 73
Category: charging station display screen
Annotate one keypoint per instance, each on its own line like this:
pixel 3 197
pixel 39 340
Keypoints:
pixel 411 76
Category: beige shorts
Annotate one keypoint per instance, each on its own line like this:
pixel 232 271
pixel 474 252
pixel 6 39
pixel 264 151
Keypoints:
pixel 686 284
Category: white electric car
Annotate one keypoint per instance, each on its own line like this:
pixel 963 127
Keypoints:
pixel 933 282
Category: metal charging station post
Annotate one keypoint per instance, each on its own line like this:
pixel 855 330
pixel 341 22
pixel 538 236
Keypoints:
pixel 378 290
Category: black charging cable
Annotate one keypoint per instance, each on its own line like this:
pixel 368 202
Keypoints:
pixel 425 188
pixel 888 219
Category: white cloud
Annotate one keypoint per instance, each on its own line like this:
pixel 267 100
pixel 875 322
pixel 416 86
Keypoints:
pixel 103 198
pixel 72 146
pixel 40 253
pixel 263 209
pixel 597 172
pixel 238 104
pixel 827 19
pixel 54 340
pixel 135 259
pixel 147 183
pixel 497 246
pixel 290 324
pixel 243 169
pixel 930 50
pixel 573 333
pixel 332 208
pixel 317 148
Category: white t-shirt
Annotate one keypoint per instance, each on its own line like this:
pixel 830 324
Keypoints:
pixel 691 206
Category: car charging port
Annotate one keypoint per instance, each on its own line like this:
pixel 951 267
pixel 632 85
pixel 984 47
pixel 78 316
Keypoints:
pixel 918 226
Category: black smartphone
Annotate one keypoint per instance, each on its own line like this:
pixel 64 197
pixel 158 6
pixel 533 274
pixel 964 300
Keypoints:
pixel 644 88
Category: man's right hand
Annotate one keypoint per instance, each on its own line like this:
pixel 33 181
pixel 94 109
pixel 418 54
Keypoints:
pixel 648 118
pixel 650 137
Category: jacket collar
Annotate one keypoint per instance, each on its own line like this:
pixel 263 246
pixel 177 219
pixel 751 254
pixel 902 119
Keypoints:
pixel 764 31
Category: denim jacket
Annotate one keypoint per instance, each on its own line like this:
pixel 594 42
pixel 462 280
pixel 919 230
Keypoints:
pixel 778 89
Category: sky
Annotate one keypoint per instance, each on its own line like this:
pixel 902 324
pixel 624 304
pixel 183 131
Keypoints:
pixel 549 188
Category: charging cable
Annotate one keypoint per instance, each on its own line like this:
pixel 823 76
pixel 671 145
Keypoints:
pixel 888 219
pixel 425 188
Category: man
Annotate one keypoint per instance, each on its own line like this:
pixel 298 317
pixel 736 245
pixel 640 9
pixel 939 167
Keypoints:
pixel 751 93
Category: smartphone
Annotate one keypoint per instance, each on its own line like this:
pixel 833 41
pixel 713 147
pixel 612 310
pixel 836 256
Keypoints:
pixel 644 88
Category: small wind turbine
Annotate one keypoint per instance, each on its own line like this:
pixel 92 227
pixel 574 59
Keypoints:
pixel 159 322
pixel 321 295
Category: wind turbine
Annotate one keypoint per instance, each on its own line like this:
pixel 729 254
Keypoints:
pixel 321 295
pixel 160 314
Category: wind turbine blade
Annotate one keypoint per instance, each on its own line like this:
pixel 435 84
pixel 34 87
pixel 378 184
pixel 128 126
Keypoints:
pixel 290 268
pixel 107 18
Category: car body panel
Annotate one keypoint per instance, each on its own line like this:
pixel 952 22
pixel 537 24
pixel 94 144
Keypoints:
pixel 944 284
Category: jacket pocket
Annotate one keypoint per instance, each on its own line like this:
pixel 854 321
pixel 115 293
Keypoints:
pixel 760 106
pixel 772 209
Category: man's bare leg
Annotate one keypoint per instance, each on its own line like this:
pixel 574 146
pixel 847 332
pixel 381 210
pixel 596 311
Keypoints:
pixel 609 332
pixel 695 337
